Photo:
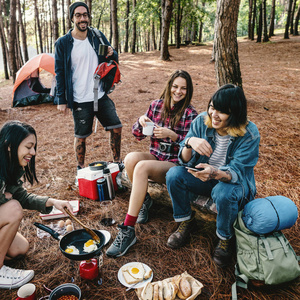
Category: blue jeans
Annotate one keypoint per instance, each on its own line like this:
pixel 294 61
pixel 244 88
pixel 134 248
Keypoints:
pixel 229 198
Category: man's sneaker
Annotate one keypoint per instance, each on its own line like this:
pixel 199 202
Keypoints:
pixel 223 252
pixel 124 240
pixel 144 211
pixel 180 237
pixel 14 278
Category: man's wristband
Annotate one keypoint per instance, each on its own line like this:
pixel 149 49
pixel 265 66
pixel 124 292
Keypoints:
pixel 186 144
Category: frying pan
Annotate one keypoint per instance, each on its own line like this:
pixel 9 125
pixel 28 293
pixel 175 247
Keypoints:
pixel 75 238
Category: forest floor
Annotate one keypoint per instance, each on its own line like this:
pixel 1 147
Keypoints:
pixel 270 73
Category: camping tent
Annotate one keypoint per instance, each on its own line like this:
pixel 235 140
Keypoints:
pixel 28 90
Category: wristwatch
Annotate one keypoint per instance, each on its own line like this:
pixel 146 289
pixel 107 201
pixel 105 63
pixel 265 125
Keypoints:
pixel 186 144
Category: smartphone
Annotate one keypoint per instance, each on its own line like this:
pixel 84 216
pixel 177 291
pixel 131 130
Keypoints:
pixel 194 169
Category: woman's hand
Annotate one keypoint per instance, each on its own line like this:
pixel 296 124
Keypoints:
pixel 110 51
pixel 60 205
pixel 201 146
pixel 163 132
pixel 210 172
pixel 143 119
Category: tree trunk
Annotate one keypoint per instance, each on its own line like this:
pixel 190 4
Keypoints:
pixel 259 27
pixel 297 21
pixel 272 19
pixel 178 18
pixel 167 7
pixel 286 33
pixel 63 16
pixel 55 20
pixel 265 25
pixel 23 32
pixel 292 17
pixel 153 41
pixel 69 23
pixel 3 45
pixel 50 27
pixel 250 19
pixel 133 43
pixel 114 20
pixel 127 26
pixel 12 39
pixel 253 20
pixel 227 65
pixel 39 31
pixel 19 58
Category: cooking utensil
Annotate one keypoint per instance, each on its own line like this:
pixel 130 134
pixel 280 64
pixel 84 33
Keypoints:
pixel 98 165
pixel 90 231
pixel 75 238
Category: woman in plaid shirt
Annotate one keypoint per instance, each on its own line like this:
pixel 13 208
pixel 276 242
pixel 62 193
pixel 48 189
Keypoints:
pixel 172 115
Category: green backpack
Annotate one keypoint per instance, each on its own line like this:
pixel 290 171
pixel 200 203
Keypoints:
pixel 268 259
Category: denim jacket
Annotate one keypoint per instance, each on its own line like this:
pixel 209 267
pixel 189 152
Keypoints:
pixel 63 64
pixel 242 153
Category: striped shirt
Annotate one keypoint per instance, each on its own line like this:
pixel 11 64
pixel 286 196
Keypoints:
pixel 218 158
pixel 182 127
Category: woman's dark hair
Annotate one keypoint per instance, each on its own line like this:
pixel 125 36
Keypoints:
pixel 11 135
pixel 230 99
pixel 179 107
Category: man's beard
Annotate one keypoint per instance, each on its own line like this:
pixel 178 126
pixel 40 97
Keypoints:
pixel 79 28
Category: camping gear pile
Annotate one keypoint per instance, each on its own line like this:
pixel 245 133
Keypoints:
pixel 264 255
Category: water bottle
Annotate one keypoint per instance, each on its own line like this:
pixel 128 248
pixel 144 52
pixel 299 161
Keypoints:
pixel 102 189
pixel 110 184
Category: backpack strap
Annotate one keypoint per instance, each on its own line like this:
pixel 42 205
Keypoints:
pixel 282 241
pixel 267 247
pixel 98 34
pixel 241 281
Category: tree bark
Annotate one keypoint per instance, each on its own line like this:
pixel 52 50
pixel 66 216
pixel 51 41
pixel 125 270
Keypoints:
pixel 253 20
pixel 127 27
pixel 12 39
pixel 227 67
pixel 265 25
pixel 63 16
pixel 178 18
pixel 3 45
pixel 69 23
pixel 39 31
pixel 259 27
pixel 167 7
pixel 23 32
pixel 292 17
pixel 287 25
pixel 154 46
pixel 115 31
pixel 272 19
pixel 297 21
pixel 133 43
pixel 54 20
pixel 250 13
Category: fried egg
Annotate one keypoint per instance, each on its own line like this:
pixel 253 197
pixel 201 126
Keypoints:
pixel 137 271
pixel 89 246
pixel 72 250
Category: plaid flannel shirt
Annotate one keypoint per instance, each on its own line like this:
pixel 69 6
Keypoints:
pixel 182 127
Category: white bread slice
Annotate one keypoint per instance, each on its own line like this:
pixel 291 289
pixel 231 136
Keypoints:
pixel 147 292
pixel 185 289
pixel 167 291
pixel 174 289
pixel 128 278
pixel 155 291
pixel 148 274
pixel 160 291
pixel 140 274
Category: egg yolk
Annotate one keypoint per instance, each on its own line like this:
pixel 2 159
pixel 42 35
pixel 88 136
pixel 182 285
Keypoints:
pixel 135 270
pixel 89 243
pixel 69 250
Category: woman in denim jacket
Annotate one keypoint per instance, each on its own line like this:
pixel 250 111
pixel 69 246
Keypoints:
pixel 224 145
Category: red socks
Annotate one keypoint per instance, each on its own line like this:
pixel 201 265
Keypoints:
pixel 130 220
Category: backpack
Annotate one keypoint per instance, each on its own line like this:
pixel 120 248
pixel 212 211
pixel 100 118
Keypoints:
pixel 108 73
pixel 267 259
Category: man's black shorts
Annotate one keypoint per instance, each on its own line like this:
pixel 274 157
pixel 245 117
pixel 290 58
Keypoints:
pixel 83 114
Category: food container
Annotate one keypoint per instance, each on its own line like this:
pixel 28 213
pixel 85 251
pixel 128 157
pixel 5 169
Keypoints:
pixel 98 165
pixel 87 180
pixel 65 289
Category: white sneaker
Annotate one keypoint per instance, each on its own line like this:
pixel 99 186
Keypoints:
pixel 13 278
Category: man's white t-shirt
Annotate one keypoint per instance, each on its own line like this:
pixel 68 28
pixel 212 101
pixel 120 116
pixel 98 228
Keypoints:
pixel 84 63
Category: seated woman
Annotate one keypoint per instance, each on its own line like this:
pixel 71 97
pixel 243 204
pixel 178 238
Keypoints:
pixel 225 145
pixel 172 116
pixel 18 143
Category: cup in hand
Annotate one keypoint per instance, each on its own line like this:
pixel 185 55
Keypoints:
pixel 27 292
pixel 103 50
pixel 148 129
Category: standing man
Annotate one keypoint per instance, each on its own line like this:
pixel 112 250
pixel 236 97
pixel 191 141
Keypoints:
pixel 76 58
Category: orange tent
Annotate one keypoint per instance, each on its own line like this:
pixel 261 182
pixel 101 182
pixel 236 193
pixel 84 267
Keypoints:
pixel 27 82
